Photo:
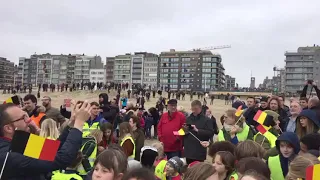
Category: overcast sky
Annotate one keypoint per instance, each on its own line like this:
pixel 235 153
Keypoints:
pixel 258 31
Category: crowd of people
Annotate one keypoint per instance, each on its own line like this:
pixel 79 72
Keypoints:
pixel 105 139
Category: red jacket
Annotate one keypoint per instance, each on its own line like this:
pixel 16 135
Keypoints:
pixel 166 127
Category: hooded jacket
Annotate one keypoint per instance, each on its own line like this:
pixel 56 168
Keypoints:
pixel 293 139
pixel 311 115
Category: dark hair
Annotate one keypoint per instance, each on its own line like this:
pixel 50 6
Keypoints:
pixel 140 174
pixel 125 128
pixel 228 160
pixel 113 159
pixel 196 103
pixel 94 104
pixel 250 97
pixel 30 97
pixel 254 175
pixel 4 116
pixel 303 99
pixel 282 96
pixel 106 125
pixel 276 99
pixel 312 141
pixel 221 146
pixel 253 163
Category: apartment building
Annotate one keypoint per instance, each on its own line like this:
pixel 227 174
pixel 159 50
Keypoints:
pixel 122 68
pixel 59 69
pixel 137 69
pixel 230 82
pixel 109 68
pixel 150 70
pixel 16 79
pixel 98 75
pixel 6 72
pixel 95 62
pixel 27 70
pixel 44 69
pixel 71 64
pixel 191 70
pixel 301 65
pixel 82 69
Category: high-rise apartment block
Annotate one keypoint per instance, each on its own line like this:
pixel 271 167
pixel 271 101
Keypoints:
pixel 122 69
pixel 230 82
pixel 191 70
pixel 109 68
pixel 6 72
pixel 301 65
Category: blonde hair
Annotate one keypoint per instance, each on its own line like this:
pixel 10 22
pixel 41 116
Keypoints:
pixel 297 168
pixel 249 148
pixel 49 129
pixel 160 149
pixel 201 170
pixel 97 134
pixel 232 113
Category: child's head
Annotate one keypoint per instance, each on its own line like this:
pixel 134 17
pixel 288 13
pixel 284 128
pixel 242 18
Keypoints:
pixel 223 162
pixel 253 175
pixel 106 128
pixel 310 142
pixel 139 174
pixel 49 129
pixel 148 156
pixel 249 148
pixel 160 149
pixel 111 164
pixel 125 128
pixel 307 122
pixel 97 134
pixel 230 117
pixel 174 166
pixel 297 168
pixel 134 121
pixel 288 144
pixel 200 171
pixel 253 163
pixel 221 146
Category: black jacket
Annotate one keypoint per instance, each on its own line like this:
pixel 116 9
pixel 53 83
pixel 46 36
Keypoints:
pixel 21 167
pixel 192 147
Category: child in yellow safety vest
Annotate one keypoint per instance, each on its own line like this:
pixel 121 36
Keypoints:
pixel 70 172
pixel 268 139
pixel 288 146
pixel 234 128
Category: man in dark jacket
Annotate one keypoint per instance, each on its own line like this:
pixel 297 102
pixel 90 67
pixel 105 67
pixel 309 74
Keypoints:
pixel 200 126
pixel 19 166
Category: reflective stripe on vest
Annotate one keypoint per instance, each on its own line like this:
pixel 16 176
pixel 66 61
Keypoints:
pixel 134 145
pixel 91 159
pixel 233 176
pixel 36 119
pixel 269 136
pixel 275 168
pixel 62 176
pixel 86 130
pixel 242 136
pixel 159 170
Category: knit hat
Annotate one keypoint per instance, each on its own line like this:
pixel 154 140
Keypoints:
pixel 148 156
pixel 176 163
pixel 274 115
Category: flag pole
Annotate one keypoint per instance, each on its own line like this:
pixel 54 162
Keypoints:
pixel 4 164
pixel 195 136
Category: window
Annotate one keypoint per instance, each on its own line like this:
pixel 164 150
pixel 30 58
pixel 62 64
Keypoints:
pixel 185 59
pixel 174 70
pixel 174 75
pixel 165 59
pixel 93 72
pixel 174 59
pixel 164 70
pixel 174 64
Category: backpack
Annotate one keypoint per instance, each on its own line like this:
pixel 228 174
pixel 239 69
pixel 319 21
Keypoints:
pixel 89 144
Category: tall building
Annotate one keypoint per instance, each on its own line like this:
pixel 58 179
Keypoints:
pixel 109 68
pixel 150 70
pixel 27 70
pixel 191 70
pixel 137 69
pixel 301 65
pixel 71 64
pixel 230 82
pixel 82 69
pixel 44 69
pixel 16 78
pixel 252 82
pixel 98 75
pixel 6 72
pixel 95 62
pixel 122 69
pixel 59 69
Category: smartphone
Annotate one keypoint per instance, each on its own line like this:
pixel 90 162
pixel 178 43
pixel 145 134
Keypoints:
pixel 189 126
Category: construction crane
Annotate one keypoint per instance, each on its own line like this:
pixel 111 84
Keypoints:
pixel 210 48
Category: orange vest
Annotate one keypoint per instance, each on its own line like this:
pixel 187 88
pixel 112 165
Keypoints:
pixel 36 119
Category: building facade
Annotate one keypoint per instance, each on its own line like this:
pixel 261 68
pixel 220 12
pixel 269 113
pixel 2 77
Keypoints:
pixel 301 65
pixel 109 68
pixel 150 70
pixel 230 82
pixel 252 82
pixel 98 75
pixel 137 61
pixel 71 64
pixel 122 69
pixel 6 72
pixel 190 70
pixel 44 69
pixel 82 69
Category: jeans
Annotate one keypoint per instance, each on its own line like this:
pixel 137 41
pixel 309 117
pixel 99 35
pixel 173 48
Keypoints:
pixel 173 154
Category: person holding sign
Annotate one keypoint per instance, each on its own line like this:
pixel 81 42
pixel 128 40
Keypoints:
pixel 15 165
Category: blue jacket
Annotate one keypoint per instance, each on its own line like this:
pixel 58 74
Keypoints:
pixel 293 139
pixel 99 119
pixel 20 167
pixel 311 115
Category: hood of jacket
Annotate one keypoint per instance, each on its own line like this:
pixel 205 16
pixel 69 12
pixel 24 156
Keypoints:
pixel 310 114
pixel 105 98
pixel 291 138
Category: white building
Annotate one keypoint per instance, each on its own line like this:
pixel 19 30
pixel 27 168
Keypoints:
pixel 122 68
pixel 82 69
pixel 98 75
